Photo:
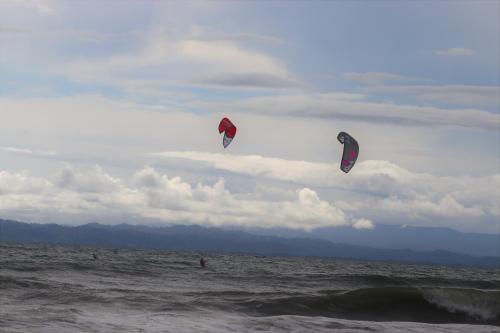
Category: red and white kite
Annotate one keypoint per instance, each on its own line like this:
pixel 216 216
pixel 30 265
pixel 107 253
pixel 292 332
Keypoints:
pixel 229 130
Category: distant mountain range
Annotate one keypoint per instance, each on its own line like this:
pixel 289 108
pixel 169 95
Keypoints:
pixel 399 237
pixel 196 238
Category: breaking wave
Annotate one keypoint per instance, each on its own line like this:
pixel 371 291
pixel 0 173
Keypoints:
pixel 431 305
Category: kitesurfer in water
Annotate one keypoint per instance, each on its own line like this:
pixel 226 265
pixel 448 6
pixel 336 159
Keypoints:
pixel 202 262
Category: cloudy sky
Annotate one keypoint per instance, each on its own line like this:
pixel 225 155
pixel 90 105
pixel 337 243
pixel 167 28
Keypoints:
pixel 109 112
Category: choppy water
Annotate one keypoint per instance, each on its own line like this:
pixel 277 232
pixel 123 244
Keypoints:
pixel 62 289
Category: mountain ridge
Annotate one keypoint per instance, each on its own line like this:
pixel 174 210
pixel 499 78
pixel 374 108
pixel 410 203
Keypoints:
pixel 204 239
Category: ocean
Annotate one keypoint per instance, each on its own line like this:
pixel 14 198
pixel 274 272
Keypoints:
pixel 64 289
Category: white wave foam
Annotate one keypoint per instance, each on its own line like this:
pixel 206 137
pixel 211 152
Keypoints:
pixel 220 322
pixel 476 303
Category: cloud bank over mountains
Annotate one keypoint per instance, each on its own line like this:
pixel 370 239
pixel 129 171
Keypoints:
pixel 381 191
pixel 152 195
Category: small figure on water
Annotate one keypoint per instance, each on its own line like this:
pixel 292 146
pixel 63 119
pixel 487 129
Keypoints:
pixel 202 262
pixel 95 256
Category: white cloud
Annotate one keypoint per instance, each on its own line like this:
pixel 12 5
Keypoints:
pixel 29 152
pixel 94 180
pixel 21 183
pixel 377 188
pixel 447 206
pixel 454 52
pixel 151 195
pixel 374 190
pixel 183 61
pixel 174 200
pixel 94 129
pixel 477 96
pixel 378 191
pixel 155 53
pixel 159 53
pixel 310 173
pixel 363 224
pixel 44 7
pixel 205 33
pixel 375 78
pixel 249 80
pixel 9 30
pixel 90 120
pixel 463 95
pixel 353 107
pixel 226 56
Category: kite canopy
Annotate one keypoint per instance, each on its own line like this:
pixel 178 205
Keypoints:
pixel 229 130
pixel 351 151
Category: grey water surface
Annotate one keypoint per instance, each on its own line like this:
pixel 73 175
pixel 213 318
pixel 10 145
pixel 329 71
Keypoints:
pixel 64 289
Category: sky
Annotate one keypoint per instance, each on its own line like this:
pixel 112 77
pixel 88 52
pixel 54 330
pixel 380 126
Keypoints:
pixel 109 113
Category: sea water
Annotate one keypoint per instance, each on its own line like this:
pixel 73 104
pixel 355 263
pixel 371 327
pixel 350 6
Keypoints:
pixel 64 289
